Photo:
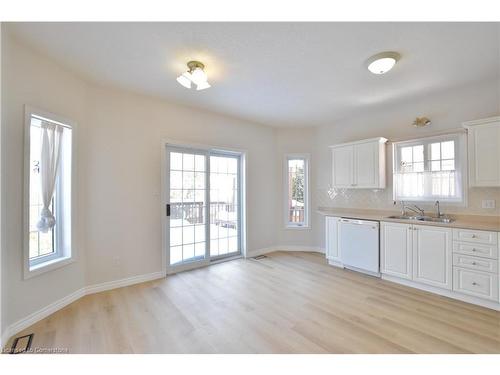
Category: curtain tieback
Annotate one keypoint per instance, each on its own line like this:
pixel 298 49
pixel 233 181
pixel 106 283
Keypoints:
pixel 47 221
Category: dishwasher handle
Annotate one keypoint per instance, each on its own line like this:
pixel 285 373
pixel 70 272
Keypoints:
pixel 360 222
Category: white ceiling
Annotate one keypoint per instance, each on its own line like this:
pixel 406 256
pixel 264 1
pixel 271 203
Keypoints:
pixel 280 74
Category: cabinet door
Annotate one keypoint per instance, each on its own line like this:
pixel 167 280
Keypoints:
pixel 395 250
pixel 342 166
pixel 366 169
pixel 432 256
pixel 332 248
pixel 486 160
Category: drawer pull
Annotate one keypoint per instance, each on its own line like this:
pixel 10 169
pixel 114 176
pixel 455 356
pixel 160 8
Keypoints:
pixel 474 283
pixel 474 263
pixel 473 236
pixel 474 249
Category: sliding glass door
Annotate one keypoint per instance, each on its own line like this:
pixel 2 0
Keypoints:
pixel 224 205
pixel 203 206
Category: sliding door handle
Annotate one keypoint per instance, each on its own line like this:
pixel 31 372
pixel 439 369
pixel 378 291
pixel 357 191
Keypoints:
pixel 168 209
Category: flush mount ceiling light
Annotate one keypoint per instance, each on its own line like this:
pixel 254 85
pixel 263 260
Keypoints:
pixel 195 75
pixel 382 62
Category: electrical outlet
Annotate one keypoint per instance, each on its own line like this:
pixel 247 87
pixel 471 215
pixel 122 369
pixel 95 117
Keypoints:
pixel 488 203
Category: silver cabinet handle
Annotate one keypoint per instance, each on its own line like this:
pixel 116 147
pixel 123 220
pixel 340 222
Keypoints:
pixel 473 236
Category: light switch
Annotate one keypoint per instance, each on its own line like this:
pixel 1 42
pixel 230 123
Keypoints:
pixel 488 203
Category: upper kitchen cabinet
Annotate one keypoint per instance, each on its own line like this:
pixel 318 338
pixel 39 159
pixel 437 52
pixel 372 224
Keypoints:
pixel 484 151
pixel 359 165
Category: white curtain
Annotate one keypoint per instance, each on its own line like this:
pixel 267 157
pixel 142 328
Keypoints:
pixel 49 166
pixel 442 185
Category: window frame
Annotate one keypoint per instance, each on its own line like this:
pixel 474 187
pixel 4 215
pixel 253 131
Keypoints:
pixel 65 251
pixel 307 196
pixel 460 160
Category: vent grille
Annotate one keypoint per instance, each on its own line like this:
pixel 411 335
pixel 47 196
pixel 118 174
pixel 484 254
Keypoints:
pixel 24 343
pixel 259 257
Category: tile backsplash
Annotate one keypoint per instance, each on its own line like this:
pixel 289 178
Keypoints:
pixel 382 199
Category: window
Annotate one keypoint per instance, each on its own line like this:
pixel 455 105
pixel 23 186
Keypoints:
pixel 49 192
pixel 297 191
pixel 430 169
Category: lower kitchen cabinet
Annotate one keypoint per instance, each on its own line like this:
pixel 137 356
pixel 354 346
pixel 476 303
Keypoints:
pixel 458 263
pixel 432 256
pixel 476 283
pixel 417 252
pixel 395 252
pixel 332 246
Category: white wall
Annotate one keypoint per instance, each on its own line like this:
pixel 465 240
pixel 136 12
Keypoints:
pixel 295 141
pixel 31 79
pixel 446 110
pixel 122 184
pixel 118 166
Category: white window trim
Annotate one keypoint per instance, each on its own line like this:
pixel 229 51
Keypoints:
pixel 461 160
pixel 307 195
pixel 69 254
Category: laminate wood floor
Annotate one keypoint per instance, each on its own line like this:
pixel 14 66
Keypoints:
pixel 289 302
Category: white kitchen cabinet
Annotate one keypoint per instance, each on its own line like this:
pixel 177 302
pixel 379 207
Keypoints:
pixel 332 247
pixel 343 158
pixel 484 151
pixel 417 252
pixel 359 165
pixel 474 283
pixel 396 250
pixel 432 256
pixel 458 263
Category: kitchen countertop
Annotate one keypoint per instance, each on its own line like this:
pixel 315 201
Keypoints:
pixel 490 223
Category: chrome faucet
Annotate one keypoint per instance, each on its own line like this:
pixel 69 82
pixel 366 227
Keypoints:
pixel 402 203
pixel 438 210
pixel 413 208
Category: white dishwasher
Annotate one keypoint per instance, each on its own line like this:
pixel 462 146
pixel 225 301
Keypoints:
pixel 359 245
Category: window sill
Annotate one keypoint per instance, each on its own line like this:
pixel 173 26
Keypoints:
pixel 297 227
pixel 48 266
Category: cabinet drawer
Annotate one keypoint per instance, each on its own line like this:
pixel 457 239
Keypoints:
pixel 476 250
pixel 474 283
pixel 475 236
pixel 475 263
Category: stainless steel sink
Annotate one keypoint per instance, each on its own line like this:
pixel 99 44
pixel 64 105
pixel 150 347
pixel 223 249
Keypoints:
pixel 403 217
pixel 422 218
pixel 437 219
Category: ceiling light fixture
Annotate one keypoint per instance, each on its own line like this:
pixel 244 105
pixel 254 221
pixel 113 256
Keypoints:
pixel 195 75
pixel 382 62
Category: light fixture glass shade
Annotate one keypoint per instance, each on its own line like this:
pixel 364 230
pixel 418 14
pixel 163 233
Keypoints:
pixel 185 80
pixel 198 76
pixel 383 62
pixel 382 66
pixel 195 75
pixel 203 86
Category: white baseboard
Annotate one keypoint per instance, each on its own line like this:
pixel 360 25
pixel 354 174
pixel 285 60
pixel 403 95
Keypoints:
pixel 42 313
pixel 109 285
pixel 65 301
pixel 271 249
pixel 309 249
pixel 257 252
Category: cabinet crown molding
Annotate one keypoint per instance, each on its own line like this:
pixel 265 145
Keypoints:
pixel 481 121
